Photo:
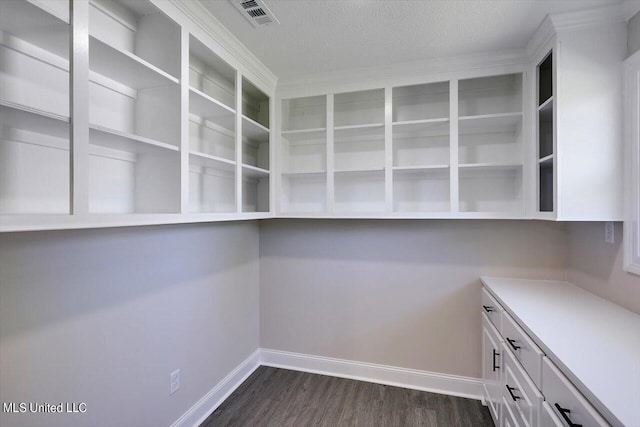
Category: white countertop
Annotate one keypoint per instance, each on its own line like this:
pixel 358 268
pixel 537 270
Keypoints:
pixel 594 342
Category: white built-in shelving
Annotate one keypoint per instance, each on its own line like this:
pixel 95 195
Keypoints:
pixel 212 142
pixel 34 108
pixel 390 151
pixel 159 126
pixel 256 150
pixel 545 135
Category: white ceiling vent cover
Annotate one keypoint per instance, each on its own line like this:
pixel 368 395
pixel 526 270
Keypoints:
pixel 256 12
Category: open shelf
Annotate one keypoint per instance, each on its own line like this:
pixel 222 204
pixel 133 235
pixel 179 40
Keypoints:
pixel 254 172
pixel 255 108
pixel 304 193
pixel 545 128
pixel 123 141
pixel 359 108
pixel 254 130
pixel 301 114
pixel 46 29
pixel 421 189
pixel 490 95
pixel 211 162
pixel 490 139
pixel 359 147
pixel 34 161
pixel 210 76
pixel 304 150
pixel 359 191
pixel 255 193
pixel 490 166
pixel 491 188
pixel 125 67
pixel 421 143
pixel 420 102
pixel 545 186
pixel 208 108
pixel 211 183
pixel 545 80
pixel 134 43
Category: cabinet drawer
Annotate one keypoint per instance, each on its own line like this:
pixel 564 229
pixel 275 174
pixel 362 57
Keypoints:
pixel 525 350
pixel 565 400
pixel 520 393
pixel 492 309
pixel 548 417
pixel 508 418
pixel 491 366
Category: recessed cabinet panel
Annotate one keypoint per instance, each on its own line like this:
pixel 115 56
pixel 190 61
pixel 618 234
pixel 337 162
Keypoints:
pixel 34 108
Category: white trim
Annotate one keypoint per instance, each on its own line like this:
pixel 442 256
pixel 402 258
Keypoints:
pixel 452 385
pixel 218 394
pixel 632 166
pixel 251 66
pixel 406 74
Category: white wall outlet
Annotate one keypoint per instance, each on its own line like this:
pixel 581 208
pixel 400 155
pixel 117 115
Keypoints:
pixel 609 232
pixel 174 381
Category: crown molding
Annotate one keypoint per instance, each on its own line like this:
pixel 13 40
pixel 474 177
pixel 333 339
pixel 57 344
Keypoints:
pixel 244 59
pixel 410 72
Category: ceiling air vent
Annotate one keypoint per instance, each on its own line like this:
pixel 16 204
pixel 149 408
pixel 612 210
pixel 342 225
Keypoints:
pixel 256 12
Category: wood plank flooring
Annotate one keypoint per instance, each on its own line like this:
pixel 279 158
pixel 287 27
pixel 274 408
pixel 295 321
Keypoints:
pixel 280 397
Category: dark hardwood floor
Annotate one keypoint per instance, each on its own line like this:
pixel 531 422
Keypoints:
pixel 280 397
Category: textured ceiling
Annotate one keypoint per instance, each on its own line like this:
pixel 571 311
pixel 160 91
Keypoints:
pixel 320 36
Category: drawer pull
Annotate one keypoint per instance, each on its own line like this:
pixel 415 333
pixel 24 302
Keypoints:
pixel 495 353
pixel 513 344
pixel 513 396
pixel 488 308
pixel 564 413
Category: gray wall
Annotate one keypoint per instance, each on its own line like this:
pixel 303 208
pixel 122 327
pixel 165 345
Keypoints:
pixel 400 293
pixel 596 265
pixel 103 317
pixel 633 34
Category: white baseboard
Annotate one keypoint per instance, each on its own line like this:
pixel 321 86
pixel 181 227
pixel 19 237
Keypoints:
pixel 452 385
pixel 218 394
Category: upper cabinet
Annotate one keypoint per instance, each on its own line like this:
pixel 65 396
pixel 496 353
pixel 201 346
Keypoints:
pixel 578 137
pixel 132 115
pixel 439 149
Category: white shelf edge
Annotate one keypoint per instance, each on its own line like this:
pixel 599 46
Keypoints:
pixel 420 122
pixel 488 165
pixel 303 131
pixel 303 173
pixel 211 157
pixel 211 99
pixel 366 126
pixel 545 103
pixel 355 171
pixel 258 171
pixel 420 168
pixel 31 110
pixel 133 137
pixel 546 158
pixel 491 116
pixel 253 122
pixel 136 59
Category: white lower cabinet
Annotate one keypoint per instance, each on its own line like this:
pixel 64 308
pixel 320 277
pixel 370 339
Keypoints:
pixel 491 367
pixel 565 400
pixel 521 386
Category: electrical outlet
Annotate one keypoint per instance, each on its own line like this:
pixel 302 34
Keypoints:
pixel 174 381
pixel 609 233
